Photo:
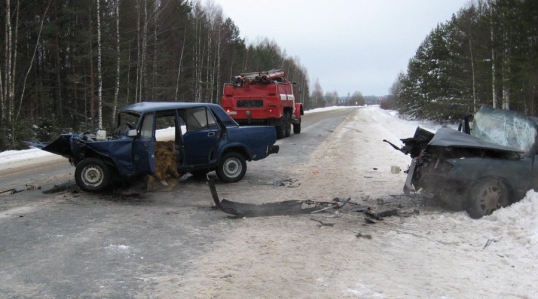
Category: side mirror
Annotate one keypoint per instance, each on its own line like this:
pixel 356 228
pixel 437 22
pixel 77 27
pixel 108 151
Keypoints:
pixel 132 133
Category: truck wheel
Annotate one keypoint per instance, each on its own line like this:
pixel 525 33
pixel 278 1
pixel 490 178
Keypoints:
pixel 280 131
pixel 92 175
pixel 297 128
pixel 486 196
pixel 287 124
pixel 232 167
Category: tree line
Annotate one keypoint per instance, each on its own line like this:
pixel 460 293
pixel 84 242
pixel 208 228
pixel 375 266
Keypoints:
pixel 487 53
pixel 68 65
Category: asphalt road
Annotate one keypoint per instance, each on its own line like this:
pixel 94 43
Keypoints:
pixel 57 242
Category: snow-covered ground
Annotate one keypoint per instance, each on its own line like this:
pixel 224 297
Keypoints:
pixel 440 254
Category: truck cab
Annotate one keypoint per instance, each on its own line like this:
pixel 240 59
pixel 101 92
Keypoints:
pixel 263 98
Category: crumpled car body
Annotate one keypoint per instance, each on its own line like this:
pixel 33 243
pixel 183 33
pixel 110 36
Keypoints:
pixel 487 164
pixel 204 138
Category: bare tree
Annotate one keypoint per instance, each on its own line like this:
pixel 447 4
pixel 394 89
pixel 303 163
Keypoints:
pixel 32 60
pixel 99 74
pixel 180 64
pixel 118 60
pixel 317 95
pixel 7 93
pixel 493 73
pixel 142 36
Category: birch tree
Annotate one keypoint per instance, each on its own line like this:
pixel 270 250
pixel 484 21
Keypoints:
pixel 118 61
pixel 99 72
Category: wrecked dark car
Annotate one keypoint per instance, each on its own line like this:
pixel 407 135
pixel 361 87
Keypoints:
pixel 487 164
pixel 204 139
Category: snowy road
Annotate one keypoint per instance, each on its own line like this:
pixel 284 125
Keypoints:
pixel 172 245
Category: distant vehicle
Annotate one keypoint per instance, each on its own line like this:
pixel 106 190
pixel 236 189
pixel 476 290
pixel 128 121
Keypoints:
pixel 263 98
pixel 205 139
pixel 487 164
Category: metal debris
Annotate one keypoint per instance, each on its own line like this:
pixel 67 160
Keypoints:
pixel 288 207
pixel 359 235
pixel 289 183
pixel 322 223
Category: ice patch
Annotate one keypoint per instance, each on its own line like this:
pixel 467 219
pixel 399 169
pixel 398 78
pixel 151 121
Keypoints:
pixel 117 249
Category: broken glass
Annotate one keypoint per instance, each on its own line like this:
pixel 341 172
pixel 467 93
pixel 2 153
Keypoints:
pixel 505 127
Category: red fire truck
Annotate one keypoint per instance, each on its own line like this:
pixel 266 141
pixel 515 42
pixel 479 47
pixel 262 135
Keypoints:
pixel 263 98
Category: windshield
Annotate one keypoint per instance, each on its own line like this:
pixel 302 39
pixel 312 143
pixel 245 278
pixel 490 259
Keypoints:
pixel 127 120
pixel 505 127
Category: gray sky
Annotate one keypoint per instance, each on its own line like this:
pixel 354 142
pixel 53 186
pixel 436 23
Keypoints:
pixel 348 45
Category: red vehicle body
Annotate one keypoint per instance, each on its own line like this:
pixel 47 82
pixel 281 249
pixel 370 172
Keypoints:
pixel 263 98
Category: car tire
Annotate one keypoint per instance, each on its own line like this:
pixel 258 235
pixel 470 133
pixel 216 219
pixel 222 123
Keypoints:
pixel 486 196
pixel 92 175
pixel 232 167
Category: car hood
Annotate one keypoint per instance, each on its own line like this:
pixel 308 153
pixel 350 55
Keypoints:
pixel 447 137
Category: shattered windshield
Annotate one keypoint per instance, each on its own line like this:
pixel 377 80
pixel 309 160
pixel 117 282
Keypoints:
pixel 505 127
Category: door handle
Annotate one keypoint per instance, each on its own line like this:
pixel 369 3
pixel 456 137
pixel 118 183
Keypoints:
pixel 210 134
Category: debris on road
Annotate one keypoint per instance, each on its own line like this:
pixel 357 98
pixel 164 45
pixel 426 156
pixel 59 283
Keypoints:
pixel 289 183
pixel 321 223
pixel 294 207
pixel 489 242
pixel 288 207
pixel 19 189
pixel 359 235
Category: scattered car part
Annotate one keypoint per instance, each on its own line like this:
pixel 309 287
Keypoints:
pixel 288 207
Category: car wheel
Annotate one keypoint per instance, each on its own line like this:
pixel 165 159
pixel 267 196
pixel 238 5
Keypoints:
pixel 92 175
pixel 232 167
pixel 486 196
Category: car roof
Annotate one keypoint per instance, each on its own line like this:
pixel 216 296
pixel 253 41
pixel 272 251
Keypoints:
pixel 144 107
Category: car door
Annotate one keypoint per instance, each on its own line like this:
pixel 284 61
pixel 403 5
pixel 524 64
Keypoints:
pixel 200 138
pixel 144 146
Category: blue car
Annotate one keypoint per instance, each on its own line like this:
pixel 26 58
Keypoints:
pixel 205 139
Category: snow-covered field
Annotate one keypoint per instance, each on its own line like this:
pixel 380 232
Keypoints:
pixel 437 254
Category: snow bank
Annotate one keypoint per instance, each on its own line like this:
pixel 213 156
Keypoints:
pixel 519 223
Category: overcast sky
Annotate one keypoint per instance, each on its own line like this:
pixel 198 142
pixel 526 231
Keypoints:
pixel 348 45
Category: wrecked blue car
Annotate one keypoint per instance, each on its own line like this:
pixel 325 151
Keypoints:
pixel 487 164
pixel 205 139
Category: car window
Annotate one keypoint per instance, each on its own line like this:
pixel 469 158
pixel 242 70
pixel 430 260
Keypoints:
pixel 199 119
pixel 146 131
pixel 165 128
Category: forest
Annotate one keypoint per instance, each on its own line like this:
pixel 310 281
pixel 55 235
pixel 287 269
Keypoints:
pixel 486 54
pixel 68 65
